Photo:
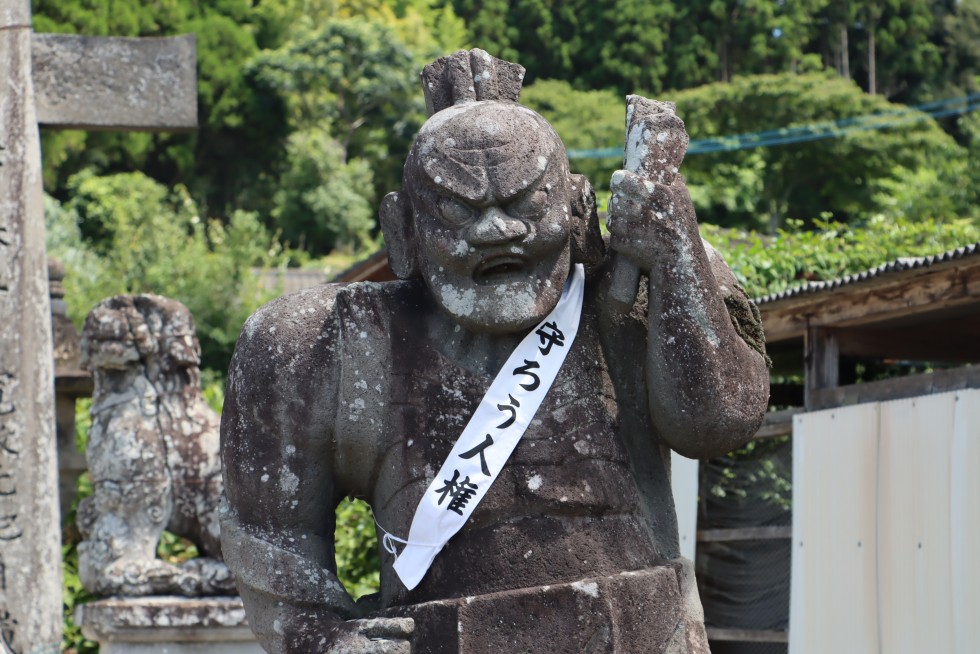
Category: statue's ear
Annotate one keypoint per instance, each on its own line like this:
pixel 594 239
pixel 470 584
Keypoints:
pixel 399 232
pixel 587 245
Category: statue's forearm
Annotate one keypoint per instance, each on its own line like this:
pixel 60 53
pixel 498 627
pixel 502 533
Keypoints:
pixel 708 388
pixel 291 600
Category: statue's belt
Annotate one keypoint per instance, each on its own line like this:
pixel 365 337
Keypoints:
pixel 490 436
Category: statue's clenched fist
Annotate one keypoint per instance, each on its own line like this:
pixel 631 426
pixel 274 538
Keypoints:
pixel 376 636
pixel 648 220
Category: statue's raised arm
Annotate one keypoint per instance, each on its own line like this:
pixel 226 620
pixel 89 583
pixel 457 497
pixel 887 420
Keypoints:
pixel 707 377
pixel 499 415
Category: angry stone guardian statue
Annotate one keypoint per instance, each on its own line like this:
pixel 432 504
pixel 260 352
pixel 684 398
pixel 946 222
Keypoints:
pixel 509 426
pixel 152 452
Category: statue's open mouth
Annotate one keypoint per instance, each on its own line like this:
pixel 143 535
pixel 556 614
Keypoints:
pixel 496 269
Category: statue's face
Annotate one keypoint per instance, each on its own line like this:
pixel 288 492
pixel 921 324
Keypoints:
pixel 490 195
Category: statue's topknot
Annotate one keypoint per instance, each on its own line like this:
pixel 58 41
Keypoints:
pixel 467 76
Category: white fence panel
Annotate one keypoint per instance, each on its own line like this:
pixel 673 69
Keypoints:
pixel 964 517
pixel 684 484
pixel 914 529
pixel 886 528
pixel 833 591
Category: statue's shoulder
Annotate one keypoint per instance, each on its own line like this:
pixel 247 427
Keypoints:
pixel 312 323
pixel 311 308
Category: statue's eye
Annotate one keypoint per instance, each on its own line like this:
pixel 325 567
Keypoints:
pixel 455 212
pixel 530 205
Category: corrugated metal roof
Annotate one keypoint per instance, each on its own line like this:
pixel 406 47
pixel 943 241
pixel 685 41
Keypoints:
pixel 898 265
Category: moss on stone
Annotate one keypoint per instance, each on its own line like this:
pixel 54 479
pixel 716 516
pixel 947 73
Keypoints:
pixel 747 321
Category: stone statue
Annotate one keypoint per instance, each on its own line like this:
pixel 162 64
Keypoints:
pixel 152 453
pixel 361 390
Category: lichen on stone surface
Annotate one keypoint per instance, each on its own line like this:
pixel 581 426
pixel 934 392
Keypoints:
pixel 747 321
pixel 152 453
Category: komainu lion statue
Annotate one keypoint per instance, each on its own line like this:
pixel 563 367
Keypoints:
pixel 152 453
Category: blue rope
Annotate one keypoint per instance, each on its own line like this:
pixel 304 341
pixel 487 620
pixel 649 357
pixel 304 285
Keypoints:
pixel 813 131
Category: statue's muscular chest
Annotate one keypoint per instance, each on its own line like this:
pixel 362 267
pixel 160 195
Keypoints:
pixel 569 462
pixel 565 503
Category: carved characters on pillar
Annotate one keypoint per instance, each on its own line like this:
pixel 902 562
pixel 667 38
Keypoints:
pixel 8 623
pixel 10 529
pixel 9 427
pixel 6 241
pixel 9 451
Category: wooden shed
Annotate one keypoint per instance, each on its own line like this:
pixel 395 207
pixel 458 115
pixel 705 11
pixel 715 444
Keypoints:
pixel 875 382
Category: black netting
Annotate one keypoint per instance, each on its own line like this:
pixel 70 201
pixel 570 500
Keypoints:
pixel 744 584
pixel 751 487
pixel 718 647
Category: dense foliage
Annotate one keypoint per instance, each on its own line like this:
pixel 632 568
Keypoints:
pixel 771 264
pixel 761 187
pixel 853 174
pixel 350 96
pixel 909 50
pixel 126 233
pixel 307 107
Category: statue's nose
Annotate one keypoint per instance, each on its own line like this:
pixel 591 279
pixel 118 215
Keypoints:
pixel 495 226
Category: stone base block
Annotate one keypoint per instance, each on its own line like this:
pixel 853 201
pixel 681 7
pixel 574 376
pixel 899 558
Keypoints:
pixel 651 611
pixel 168 625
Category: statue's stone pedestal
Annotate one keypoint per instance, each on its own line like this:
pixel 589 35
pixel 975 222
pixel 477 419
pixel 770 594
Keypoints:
pixel 168 625
pixel 653 611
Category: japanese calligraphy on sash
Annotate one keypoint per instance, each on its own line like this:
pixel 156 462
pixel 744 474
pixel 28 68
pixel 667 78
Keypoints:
pixel 491 435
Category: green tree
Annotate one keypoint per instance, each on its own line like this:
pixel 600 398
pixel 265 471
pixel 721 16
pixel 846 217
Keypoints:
pixel 618 44
pixel 894 48
pixel 841 174
pixel 429 28
pixel 634 45
pixel 348 72
pixel 487 26
pixel 126 233
pixel 959 38
pixel 324 201
pixel 352 100
pixel 584 120
pixel 725 39
pixel 625 45
pixel 834 42
pixel 224 161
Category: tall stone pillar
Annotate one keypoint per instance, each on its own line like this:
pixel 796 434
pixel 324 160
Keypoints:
pixel 30 552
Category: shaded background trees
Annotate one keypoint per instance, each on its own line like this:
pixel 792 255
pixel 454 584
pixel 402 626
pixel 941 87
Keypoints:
pixel 307 109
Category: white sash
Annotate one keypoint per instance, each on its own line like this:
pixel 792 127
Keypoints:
pixel 491 435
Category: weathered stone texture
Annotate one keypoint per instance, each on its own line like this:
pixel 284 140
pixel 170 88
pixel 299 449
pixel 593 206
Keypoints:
pixel 468 76
pixel 114 82
pixel 30 548
pixel 650 611
pixel 152 453
pixel 363 390
pixel 171 625
pixel 30 579
pixel 656 143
